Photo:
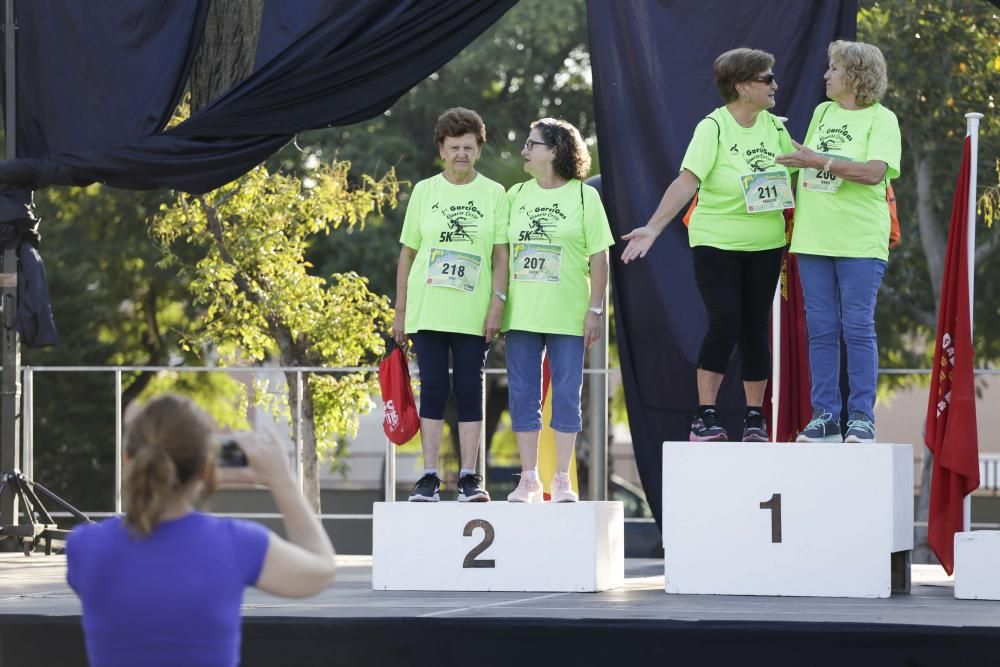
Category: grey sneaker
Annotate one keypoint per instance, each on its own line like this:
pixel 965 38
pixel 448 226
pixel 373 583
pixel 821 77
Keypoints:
pixel 426 489
pixel 707 427
pixel 822 428
pixel 755 427
pixel 470 489
pixel 860 428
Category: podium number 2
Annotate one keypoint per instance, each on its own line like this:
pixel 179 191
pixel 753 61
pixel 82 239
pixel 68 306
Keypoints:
pixel 774 504
pixel 488 535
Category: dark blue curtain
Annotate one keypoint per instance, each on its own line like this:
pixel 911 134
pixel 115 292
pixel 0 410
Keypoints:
pixel 97 80
pixel 319 63
pixel 652 84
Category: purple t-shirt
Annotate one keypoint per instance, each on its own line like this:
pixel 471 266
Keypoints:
pixel 172 598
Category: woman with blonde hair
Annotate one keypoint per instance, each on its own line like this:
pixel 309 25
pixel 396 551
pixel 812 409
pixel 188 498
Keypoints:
pixel 163 584
pixel 841 236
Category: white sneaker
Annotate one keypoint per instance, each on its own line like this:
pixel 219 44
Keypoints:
pixel 527 491
pixel 562 489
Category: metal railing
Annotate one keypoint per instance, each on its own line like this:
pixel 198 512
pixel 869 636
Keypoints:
pixel 989 463
pixel 598 423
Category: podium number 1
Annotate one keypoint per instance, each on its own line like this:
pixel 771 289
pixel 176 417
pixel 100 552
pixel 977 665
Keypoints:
pixel 488 535
pixel 774 504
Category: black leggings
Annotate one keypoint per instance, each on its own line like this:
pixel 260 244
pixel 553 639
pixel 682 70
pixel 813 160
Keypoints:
pixel 469 358
pixel 737 288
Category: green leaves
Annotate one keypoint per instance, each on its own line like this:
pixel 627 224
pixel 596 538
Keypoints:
pixel 257 293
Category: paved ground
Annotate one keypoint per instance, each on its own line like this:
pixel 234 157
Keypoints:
pixel 37 585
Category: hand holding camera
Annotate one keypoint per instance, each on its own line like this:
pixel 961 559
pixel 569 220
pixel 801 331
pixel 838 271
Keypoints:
pixel 249 458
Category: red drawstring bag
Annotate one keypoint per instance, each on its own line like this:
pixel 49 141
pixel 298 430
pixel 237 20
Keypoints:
pixel 400 420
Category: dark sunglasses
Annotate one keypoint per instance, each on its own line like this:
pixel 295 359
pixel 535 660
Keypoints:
pixel 766 79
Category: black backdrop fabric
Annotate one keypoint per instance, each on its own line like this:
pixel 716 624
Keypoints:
pixel 97 81
pixel 653 82
pixel 328 62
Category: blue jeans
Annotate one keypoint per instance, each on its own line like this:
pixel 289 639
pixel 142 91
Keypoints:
pixel 839 294
pixel 524 379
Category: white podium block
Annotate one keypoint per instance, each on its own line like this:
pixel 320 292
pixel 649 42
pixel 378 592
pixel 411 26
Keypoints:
pixel 785 519
pixel 498 546
pixel 977 557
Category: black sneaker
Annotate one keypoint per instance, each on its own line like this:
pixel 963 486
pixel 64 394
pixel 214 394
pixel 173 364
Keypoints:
pixel 470 489
pixel 755 427
pixel 707 427
pixel 426 489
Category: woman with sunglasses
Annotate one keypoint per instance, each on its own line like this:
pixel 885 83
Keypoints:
pixel 559 238
pixel 736 232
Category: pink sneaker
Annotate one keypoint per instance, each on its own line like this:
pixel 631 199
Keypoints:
pixel 562 489
pixel 527 491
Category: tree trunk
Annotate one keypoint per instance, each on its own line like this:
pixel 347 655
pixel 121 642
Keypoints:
pixel 310 458
pixel 227 51
pixel 931 238
pixel 933 242
pixel 921 549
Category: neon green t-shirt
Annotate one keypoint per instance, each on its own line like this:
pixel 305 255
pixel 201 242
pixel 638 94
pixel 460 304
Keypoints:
pixel 453 228
pixel 840 218
pixel 552 234
pixel 721 154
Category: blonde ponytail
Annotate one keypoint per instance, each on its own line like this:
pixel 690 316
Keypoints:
pixel 168 447
pixel 149 480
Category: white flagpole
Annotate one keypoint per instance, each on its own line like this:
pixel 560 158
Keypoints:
pixel 775 360
pixel 776 349
pixel 972 131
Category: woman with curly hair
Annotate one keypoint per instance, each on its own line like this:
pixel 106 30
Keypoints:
pixel 736 233
pixel 841 236
pixel 559 238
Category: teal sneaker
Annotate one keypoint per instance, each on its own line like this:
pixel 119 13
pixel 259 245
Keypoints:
pixel 860 428
pixel 822 428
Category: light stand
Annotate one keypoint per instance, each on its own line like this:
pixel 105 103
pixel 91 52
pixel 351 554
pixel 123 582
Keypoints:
pixel 17 493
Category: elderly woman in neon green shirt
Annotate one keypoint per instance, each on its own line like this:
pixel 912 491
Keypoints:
pixel 841 236
pixel 559 238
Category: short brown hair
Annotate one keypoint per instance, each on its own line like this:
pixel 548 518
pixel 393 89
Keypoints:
pixel 459 121
pixel 169 444
pixel 737 66
pixel 572 159
pixel 864 70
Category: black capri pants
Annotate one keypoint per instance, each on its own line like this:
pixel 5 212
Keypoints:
pixel 469 360
pixel 737 288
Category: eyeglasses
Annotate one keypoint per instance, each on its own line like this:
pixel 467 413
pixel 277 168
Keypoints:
pixel 531 143
pixel 766 79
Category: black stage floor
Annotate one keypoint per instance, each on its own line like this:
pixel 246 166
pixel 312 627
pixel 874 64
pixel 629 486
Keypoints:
pixel 350 624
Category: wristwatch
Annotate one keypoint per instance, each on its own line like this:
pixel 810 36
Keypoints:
pixel 596 310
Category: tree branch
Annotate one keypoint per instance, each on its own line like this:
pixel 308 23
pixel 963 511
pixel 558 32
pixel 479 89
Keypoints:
pixel 215 227
pixel 986 251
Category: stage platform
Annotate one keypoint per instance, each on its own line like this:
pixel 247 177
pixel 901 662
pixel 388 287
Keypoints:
pixel 350 624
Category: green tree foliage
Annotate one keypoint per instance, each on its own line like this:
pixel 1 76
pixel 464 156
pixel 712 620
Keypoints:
pixel 944 61
pixel 113 306
pixel 258 298
pixel 532 63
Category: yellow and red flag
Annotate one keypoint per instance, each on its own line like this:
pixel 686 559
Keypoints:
pixel 547 438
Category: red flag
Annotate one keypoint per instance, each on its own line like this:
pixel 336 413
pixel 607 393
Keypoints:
pixel 951 408
pixel 794 403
